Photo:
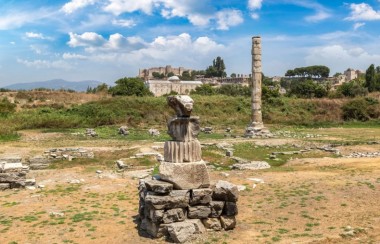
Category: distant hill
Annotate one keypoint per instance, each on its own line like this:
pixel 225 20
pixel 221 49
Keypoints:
pixel 56 84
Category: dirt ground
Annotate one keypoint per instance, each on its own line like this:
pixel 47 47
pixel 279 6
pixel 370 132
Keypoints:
pixel 309 200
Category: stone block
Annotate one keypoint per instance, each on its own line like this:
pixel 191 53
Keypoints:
pixel 181 232
pixel 199 212
pixel 11 167
pixel 230 209
pixel 225 191
pixel 174 215
pixel 212 223
pixel 185 175
pixel 158 186
pixel 156 215
pixel 153 229
pixel 12 177
pixel 216 208
pixel 228 222
pixel 4 186
pixel 176 199
pixel 200 196
pixel 180 151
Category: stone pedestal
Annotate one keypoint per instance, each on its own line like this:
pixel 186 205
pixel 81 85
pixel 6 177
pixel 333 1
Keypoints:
pixel 181 204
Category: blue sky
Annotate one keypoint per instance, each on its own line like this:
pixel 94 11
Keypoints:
pixel 108 39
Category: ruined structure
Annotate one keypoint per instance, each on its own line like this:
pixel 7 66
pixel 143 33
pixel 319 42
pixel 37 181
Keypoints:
pixel 147 74
pixel 13 174
pixel 256 128
pixel 179 202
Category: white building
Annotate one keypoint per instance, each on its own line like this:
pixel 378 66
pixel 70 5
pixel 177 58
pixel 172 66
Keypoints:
pixel 162 87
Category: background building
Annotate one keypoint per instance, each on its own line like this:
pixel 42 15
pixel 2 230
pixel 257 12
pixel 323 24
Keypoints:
pixel 173 84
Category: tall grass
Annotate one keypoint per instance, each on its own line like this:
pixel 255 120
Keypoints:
pixel 141 112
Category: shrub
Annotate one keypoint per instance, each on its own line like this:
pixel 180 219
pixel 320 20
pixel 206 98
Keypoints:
pixel 6 107
pixel 361 109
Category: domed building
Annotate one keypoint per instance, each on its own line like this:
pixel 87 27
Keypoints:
pixel 172 84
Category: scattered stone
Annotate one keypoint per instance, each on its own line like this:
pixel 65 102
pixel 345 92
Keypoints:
pixel 254 165
pixel 75 181
pixel 154 132
pixel 123 130
pixel 121 165
pixel 229 153
pixel 241 188
pixel 91 132
pixel 224 174
pixel 257 180
pixel 99 171
pixel 57 214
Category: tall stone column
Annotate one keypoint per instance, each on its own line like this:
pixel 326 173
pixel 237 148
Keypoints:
pixel 256 127
pixel 256 119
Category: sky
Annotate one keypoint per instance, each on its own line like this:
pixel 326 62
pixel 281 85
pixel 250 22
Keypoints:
pixel 105 40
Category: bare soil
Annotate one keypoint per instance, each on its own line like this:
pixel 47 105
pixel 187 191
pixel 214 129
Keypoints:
pixel 309 200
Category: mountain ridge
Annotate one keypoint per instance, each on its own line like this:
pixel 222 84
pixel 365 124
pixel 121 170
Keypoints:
pixel 55 84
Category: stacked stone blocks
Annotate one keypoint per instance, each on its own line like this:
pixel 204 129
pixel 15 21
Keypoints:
pixel 179 203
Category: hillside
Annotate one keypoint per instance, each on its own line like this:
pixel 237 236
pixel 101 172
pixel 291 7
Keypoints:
pixel 55 84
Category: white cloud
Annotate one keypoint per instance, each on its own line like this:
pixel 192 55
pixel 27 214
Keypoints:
pixel 227 18
pixel 319 16
pixel 128 23
pixel 254 4
pixel 358 25
pixel 363 12
pixel 93 42
pixel 74 56
pixel 118 7
pixel 74 5
pixel 42 64
pixel 198 13
pixel 255 16
pixel 85 40
pixel 340 58
pixel 13 43
pixel 33 35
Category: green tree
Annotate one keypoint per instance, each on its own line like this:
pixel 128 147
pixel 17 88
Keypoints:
pixel 217 68
pixel 307 89
pixel 370 78
pixel 233 75
pixel 352 89
pixel 158 75
pixel 204 89
pixel 234 90
pixel 170 74
pixel 186 75
pixel 130 87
